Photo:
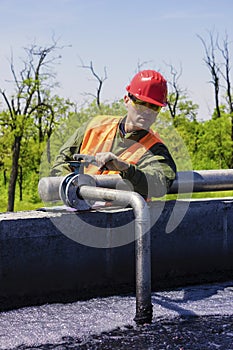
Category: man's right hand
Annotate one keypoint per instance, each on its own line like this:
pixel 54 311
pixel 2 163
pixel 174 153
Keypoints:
pixel 110 161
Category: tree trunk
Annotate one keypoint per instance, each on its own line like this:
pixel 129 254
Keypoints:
pixel 48 151
pixel 14 173
pixel 5 177
pixel 41 135
pixel 231 165
pixel 216 94
pixel 20 183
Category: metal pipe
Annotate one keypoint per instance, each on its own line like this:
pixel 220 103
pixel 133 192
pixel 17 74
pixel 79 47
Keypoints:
pixel 203 181
pixel 186 182
pixel 142 243
pixel 108 181
pixel 49 190
pixel 48 187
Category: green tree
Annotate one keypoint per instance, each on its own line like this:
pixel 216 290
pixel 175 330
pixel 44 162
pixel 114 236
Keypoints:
pixel 215 144
pixel 5 146
pixel 29 100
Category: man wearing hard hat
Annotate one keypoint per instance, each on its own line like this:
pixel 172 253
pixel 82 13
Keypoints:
pixel 127 145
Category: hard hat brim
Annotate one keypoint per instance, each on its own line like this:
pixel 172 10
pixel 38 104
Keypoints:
pixel 147 99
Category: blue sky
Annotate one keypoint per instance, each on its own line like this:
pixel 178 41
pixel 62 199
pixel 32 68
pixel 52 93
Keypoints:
pixel 119 35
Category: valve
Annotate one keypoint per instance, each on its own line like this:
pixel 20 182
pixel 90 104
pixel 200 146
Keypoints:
pixel 69 186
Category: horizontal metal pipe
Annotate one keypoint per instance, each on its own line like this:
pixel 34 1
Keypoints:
pixel 107 181
pixel 48 188
pixel 186 182
pixel 142 243
pixel 203 181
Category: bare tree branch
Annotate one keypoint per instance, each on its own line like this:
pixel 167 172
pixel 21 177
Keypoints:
pixel 141 64
pixel 214 67
pixel 176 91
pixel 226 75
pixel 98 78
pixel 7 103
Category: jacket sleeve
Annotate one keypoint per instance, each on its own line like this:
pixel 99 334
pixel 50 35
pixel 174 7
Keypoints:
pixel 153 175
pixel 72 146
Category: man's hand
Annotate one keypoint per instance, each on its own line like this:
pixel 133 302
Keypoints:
pixel 109 161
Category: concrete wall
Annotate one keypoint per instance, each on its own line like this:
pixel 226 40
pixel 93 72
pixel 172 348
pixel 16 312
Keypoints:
pixel 39 264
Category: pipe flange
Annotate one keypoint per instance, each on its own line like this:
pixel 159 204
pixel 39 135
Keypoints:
pixel 72 198
pixel 63 185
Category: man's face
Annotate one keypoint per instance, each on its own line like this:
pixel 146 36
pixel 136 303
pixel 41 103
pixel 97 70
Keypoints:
pixel 139 116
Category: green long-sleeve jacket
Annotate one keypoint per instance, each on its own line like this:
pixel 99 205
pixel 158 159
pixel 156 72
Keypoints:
pixel 151 176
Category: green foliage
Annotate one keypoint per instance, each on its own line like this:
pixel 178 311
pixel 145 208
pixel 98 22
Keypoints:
pixel 31 199
pixel 211 146
pixel 186 109
pixel 174 140
pixel 209 143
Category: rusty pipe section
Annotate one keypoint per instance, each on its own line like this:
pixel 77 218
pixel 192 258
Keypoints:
pixel 142 242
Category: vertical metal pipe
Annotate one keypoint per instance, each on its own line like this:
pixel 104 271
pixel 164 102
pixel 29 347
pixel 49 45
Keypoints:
pixel 142 243
pixel 144 309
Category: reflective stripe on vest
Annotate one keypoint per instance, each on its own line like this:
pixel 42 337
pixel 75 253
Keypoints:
pixel 99 137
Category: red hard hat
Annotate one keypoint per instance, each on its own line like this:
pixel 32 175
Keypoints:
pixel 149 86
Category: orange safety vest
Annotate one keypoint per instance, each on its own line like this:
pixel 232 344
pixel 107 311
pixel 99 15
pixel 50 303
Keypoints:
pixel 99 137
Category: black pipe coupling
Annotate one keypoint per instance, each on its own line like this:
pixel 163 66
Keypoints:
pixel 69 191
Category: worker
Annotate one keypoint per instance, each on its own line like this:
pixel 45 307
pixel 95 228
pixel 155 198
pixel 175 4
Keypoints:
pixel 127 145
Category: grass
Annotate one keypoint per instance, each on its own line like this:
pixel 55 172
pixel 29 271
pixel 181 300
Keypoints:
pixel 201 195
pixel 20 205
pixel 33 202
pixel 29 202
